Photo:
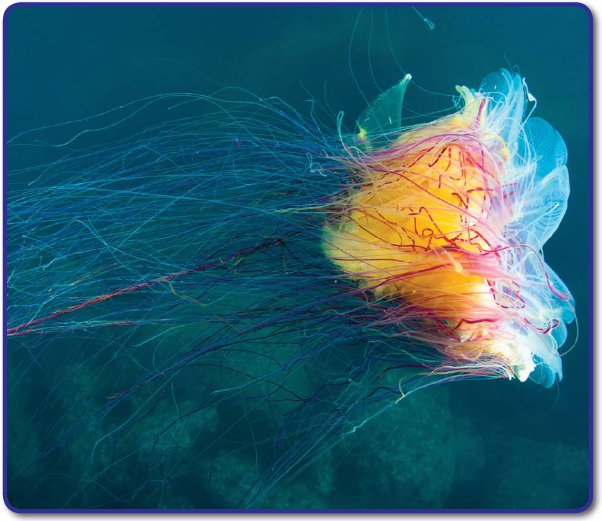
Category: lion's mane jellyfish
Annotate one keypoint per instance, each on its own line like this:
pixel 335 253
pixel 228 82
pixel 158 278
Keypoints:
pixel 240 287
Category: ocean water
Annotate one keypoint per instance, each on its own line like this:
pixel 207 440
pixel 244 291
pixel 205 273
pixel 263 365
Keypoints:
pixel 493 444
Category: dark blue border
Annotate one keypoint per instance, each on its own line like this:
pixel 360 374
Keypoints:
pixel 334 511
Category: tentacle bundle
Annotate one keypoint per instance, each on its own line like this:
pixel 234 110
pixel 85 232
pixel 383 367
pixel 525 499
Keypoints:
pixel 447 221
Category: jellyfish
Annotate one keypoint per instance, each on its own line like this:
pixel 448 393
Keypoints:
pixel 242 287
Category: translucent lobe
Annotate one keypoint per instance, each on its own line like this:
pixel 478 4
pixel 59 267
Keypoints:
pixel 546 189
pixel 383 115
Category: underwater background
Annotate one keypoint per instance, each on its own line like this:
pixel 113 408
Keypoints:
pixel 474 444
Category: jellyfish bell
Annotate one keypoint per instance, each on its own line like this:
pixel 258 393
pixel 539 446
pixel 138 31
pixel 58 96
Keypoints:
pixel 446 222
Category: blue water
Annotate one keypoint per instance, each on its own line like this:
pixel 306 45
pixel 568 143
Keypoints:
pixel 481 444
